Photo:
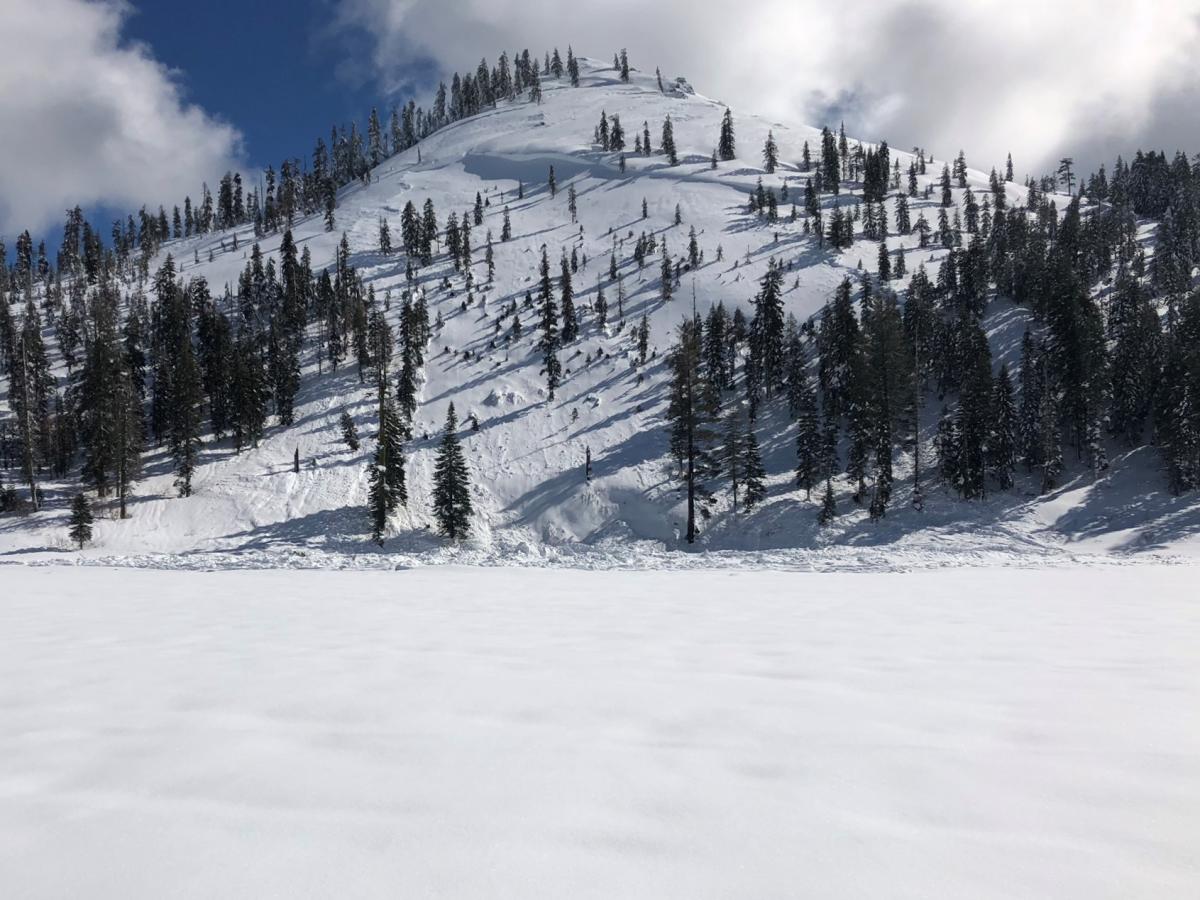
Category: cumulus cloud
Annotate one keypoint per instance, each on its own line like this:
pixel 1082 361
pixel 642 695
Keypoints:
pixel 88 118
pixel 1088 78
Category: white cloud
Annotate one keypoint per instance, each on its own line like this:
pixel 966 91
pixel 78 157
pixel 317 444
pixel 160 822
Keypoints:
pixel 1088 78
pixel 88 118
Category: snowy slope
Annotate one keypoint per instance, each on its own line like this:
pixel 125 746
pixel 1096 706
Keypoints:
pixel 527 456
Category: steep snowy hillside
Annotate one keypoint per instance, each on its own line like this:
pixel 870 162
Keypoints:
pixel 527 455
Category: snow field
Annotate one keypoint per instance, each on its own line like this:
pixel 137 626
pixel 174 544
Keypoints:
pixel 457 732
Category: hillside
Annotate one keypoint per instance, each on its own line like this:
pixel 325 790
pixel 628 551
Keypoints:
pixel 527 455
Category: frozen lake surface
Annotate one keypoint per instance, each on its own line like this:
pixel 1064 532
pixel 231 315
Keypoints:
pixel 455 732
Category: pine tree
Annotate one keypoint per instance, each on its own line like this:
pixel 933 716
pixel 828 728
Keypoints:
pixel 1049 441
pixel 178 386
pixel 110 421
pixel 808 440
pixel 570 326
pixel 770 154
pixel 767 346
pixel 1136 359
pixel 349 431
pixel 726 145
pixel 1002 438
pixel 666 275
pixel 572 67
pixel 386 480
pixel 690 434
pixel 549 343
pixel 731 456
pixel 30 386
pixel 668 142
pixel 451 483
pixel 975 417
pixel 828 506
pixel 755 474
pixel 81 520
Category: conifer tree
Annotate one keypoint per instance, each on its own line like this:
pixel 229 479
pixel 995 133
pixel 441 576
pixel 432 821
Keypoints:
pixel 601 307
pixel 828 506
pixel 755 474
pixel 830 163
pixel 572 67
pixel 691 436
pixel 767 345
pixel 668 142
pixel 110 407
pixel 1136 359
pixel 451 483
pixel 178 390
pixel 30 387
pixel 570 326
pixel 549 343
pixel 726 145
pixel 666 275
pixel 349 431
pixel 386 480
pixel 81 520
pixel 1002 438
pixel 808 439
pixel 974 418
pixel 770 154
pixel 731 455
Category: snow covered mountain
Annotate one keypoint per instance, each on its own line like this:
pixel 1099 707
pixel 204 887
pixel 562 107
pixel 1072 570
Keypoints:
pixel 527 454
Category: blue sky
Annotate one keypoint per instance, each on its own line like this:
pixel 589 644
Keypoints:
pixel 267 78
pixel 275 69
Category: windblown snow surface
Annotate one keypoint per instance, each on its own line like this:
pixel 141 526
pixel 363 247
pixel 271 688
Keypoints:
pixel 527 457
pixel 457 732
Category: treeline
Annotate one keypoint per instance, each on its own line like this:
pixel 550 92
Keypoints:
pixel 1112 354
pixel 175 364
